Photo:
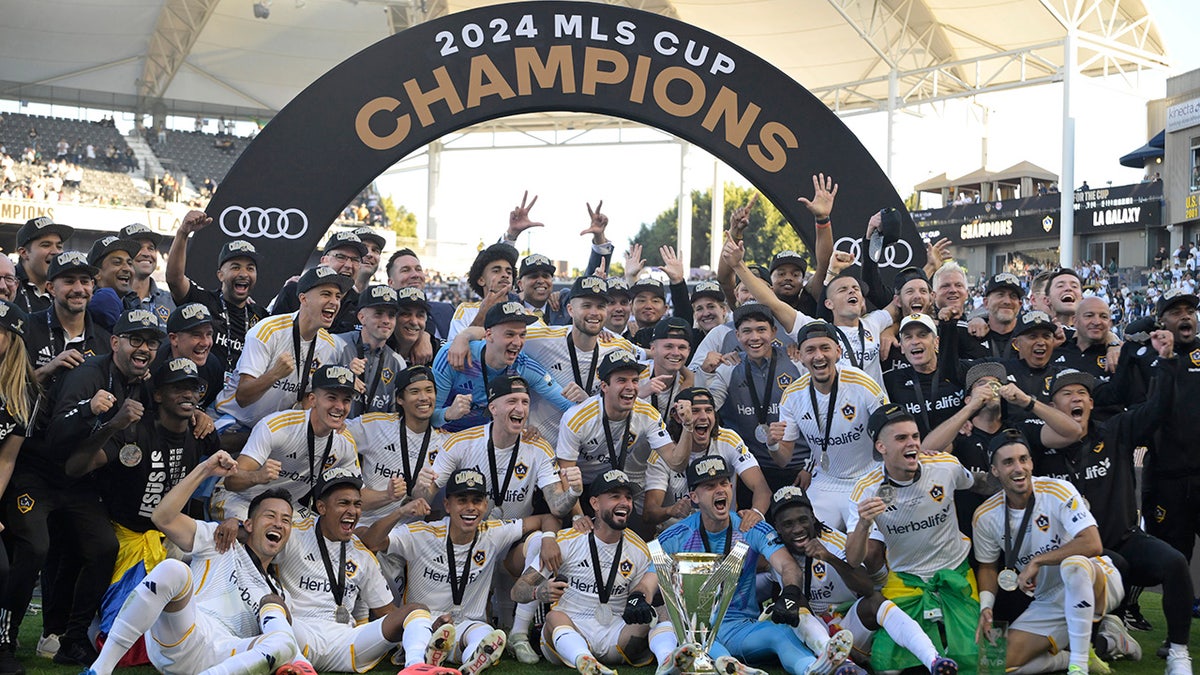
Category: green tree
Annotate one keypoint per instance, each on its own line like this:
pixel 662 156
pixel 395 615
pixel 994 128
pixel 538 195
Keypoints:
pixel 402 221
pixel 769 232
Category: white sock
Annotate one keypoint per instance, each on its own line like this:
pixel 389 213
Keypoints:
pixel 569 644
pixel 1079 605
pixel 522 618
pixel 418 629
pixel 1178 648
pixel 1045 663
pixel 473 636
pixel 906 632
pixel 812 632
pixel 663 642
pixel 276 647
pixel 169 580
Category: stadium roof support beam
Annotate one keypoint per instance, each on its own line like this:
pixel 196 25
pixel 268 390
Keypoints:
pixel 179 25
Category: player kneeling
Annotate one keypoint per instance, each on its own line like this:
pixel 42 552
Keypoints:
pixel 1038 535
pixel 841 597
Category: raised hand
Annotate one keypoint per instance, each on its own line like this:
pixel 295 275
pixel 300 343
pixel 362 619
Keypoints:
pixel 518 218
pixel 634 262
pixel 824 192
pixel 672 264
pixel 739 219
pixel 599 222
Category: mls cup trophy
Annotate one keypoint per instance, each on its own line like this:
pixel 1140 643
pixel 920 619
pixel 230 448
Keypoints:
pixel 697 588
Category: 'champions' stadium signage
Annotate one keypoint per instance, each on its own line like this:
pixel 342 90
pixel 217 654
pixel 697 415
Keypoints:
pixel 398 95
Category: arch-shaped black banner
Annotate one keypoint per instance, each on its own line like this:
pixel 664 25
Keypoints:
pixel 414 87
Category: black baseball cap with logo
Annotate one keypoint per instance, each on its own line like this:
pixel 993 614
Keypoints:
pixel 379 295
pixel 334 478
pixel 411 296
pixel 648 285
pixel 505 312
pixel 883 416
pixel 788 495
pixel 138 232
pixel 708 289
pixel 320 276
pixel 536 263
pixel 817 329
pixel 187 317
pixel 111 244
pixel 68 262
pixel 13 317
pixel 1006 437
pixel 788 257
pixel 617 286
pixel 138 321
pixel 237 248
pixel 467 481
pixel 1033 321
pixel 695 395
pixel 366 234
pixel 617 360
pixel 706 468
pixel 508 384
pixel 1071 376
pixel 334 378
pixel 672 328
pixel 589 287
pixel 1004 280
pixel 345 239
pixel 177 370
pixel 753 310
pixel 1174 297
pixel 611 481
pixel 908 274
pixel 36 228
pixel 414 374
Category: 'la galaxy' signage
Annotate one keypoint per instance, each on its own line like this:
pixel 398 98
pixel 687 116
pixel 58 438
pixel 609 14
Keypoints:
pixel 410 89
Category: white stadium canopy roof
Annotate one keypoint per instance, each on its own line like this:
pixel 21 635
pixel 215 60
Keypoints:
pixel 213 57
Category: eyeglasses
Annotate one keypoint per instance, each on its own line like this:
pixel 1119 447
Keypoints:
pixel 136 341
pixel 8 279
pixel 342 257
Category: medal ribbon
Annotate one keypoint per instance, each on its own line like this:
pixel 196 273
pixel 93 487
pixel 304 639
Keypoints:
pixel 862 340
pixel 761 405
pixel 921 402
pixel 459 586
pixel 602 589
pixel 336 587
pixel 312 456
pixel 728 539
pixel 616 460
pixel 498 491
pixel 305 367
pixel 591 381
pixel 266 573
pixel 812 397
pixel 410 474
pixel 1010 550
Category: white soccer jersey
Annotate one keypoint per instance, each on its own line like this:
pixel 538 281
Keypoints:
pixel 727 444
pixel 548 345
pixel 659 476
pixel 380 453
pixel 581 439
pixel 534 467
pixel 860 348
pixel 826 589
pixel 309 591
pixel 712 342
pixel 265 342
pixel 581 600
pixel 1059 514
pixel 228 586
pixel 920 528
pixel 284 436
pixel 464 314
pixel 660 402
pixel 423 547
pixel 849 443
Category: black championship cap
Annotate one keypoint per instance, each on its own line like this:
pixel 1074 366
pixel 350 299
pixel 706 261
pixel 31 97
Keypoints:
pixel 237 249
pixel 1174 297
pixel 504 312
pixel 788 495
pixel 760 272
pixel 906 275
pixel 366 234
pixel 1033 321
pixel 412 375
pixel 706 468
pixel 111 244
pixel 411 296
pixel 138 321
pixel 138 232
pixel 187 317
pixel 71 261
pixel 817 329
pixel 613 479
pixel 509 384
pixel 466 482
pixel 648 285
pixel 1006 437
pixel 883 416
pixel 335 478
pixel 617 286
pixel 672 328
pixel 695 395
pixel 345 239
pixel 536 263
pixel 616 360
pixel 1071 376
pixel 177 370
pixel 13 317
pixel 379 296
pixel 987 369
pixel 334 378
pixel 1004 280
pixel 320 276
pixel 752 310
pixel 788 257
pixel 589 287
pixel 708 289
pixel 36 228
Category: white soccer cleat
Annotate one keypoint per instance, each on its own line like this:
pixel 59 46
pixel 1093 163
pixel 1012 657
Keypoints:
pixel 441 643
pixel 1179 662
pixel 486 654
pixel 587 664
pixel 682 660
pixel 47 646
pixel 518 644
pixel 835 654
pixel 727 665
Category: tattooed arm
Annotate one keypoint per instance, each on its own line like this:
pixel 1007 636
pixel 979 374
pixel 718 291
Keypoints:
pixel 534 586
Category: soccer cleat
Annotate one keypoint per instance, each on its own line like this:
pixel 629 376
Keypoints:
pixel 682 660
pixel 518 644
pixel 1096 665
pixel 587 664
pixel 835 653
pixel 1178 662
pixel 727 665
pixel 486 654
pixel 943 666
pixel 1132 616
pixel 849 668
pixel 47 646
pixel 1075 669
pixel 297 667
pixel 75 653
pixel 1115 642
pixel 441 643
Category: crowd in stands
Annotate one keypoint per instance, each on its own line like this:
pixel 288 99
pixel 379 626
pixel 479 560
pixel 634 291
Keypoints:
pixel 356 468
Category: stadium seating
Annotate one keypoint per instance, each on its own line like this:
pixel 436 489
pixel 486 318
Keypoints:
pixel 197 154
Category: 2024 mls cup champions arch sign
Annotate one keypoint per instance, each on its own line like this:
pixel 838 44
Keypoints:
pixel 410 89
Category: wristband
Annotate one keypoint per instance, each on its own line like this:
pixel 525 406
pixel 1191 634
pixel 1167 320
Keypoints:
pixel 823 221
pixel 760 513
pixel 1032 402
pixel 987 600
pixel 549 535
pixel 573 492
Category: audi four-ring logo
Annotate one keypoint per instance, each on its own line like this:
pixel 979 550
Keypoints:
pixel 269 223
pixel 889 253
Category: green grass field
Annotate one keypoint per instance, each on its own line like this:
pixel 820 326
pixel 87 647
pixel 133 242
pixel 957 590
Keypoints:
pixel 1149 665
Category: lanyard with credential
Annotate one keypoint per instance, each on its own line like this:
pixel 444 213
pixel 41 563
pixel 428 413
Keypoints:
pixel 812 397
pixel 305 367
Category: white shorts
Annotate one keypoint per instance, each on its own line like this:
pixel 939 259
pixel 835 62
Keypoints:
pixel 1046 615
pixel 189 642
pixel 333 646
pixel 603 642
pixel 830 499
